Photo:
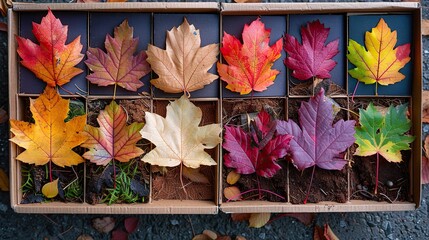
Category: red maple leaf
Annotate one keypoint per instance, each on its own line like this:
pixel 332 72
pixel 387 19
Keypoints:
pixel 312 58
pixel 257 150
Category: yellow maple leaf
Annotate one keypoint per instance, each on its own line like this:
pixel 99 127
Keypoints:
pixel 178 137
pixel 382 62
pixel 49 138
pixel 183 66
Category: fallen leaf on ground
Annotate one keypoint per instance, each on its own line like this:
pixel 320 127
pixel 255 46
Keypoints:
pixel 4 181
pixel 167 134
pixel 119 234
pixel 425 27
pixel 232 193
pixel 425 103
pixel 239 217
pixel 131 224
pixel 103 224
pixel 3 27
pixel 49 138
pixel 50 189
pixel 85 237
pixel 183 66
pixel 3 116
pixel 312 58
pixel 113 139
pixel 381 62
pixel 210 234
pixel 425 162
pixel 201 237
pixel 118 65
pixel 195 175
pixel 223 238
pixel 249 64
pixel 52 61
pixel 240 238
pixel 305 218
pixel 258 220
pixel 232 177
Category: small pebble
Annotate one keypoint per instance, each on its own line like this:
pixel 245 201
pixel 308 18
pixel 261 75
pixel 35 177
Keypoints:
pixel 377 218
pixel 389 184
pixel 343 224
pixel 262 236
pixel 370 224
pixel 174 222
pixel 3 207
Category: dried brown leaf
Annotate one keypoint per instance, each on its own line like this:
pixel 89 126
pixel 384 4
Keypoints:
pixel 3 27
pixel 104 224
pixel 85 237
pixel 232 193
pixel 224 238
pixel 318 233
pixel 3 115
pixel 232 177
pixel 201 237
pixel 425 103
pixel 4 181
pixel 209 233
pixel 195 175
pixel 329 234
pixel 240 238
pixel 258 220
pixel 119 234
pixel 239 217
pixel 425 170
pixel 425 27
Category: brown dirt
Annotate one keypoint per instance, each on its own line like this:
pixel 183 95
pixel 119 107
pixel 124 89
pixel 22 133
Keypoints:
pixel 237 112
pixel 328 185
pixel 305 88
pixel 168 186
pixel 394 178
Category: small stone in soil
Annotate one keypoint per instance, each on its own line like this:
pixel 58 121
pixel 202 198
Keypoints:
pixel 343 224
pixel 174 222
pixel 389 184
pixel 262 236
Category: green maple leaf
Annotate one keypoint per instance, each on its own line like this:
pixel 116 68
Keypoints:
pixel 383 134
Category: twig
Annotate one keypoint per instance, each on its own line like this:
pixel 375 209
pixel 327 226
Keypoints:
pixel 52 221
pixel 66 231
pixel 192 226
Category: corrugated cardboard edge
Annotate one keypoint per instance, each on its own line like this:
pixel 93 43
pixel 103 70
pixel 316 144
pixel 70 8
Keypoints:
pixel 352 206
pixel 188 7
pixel 314 8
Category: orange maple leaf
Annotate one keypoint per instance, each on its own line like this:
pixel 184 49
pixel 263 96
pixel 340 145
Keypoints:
pixel 49 138
pixel 52 61
pixel 113 139
pixel 250 63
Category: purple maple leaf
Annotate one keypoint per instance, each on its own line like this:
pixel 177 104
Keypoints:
pixel 318 142
pixel 312 58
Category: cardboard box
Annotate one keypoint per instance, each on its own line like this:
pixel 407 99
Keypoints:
pixel 93 22
pixel 283 10
pixel 296 11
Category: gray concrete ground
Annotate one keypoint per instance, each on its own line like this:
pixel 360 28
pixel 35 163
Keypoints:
pixel 385 225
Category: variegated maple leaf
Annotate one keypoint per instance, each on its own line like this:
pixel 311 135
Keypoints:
pixel 52 61
pixel 118 66
pixel 183 66
pixel 381 62
pixel 113 139
pixel 250 63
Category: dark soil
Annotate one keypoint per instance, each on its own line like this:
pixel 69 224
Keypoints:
pixel 239 112
pixel 168 185
pixel 393 183
pixel 101 178
pixel 328 185
pixel 310 87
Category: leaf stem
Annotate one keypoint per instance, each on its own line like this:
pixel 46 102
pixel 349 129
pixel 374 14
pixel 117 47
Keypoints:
pixel 376 88
pixel 181 180
pixel 50 171
pixel 252 190
pixel 309 186
pixel 376 173
pixel 114 174
pixel 354 91
pixel 259 187
pixel 114 91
